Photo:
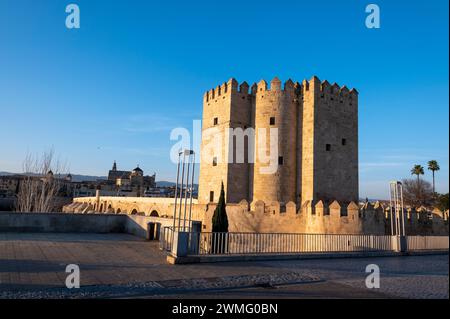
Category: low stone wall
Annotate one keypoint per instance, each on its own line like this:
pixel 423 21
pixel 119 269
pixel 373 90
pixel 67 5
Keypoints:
pixel 137 225
pixel 80 223
pixel 7 203
pixel 61 223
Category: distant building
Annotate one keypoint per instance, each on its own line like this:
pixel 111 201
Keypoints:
pixel 129 183
pixel 9 185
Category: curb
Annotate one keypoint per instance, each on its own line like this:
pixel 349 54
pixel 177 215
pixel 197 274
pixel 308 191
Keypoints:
pixel 174 260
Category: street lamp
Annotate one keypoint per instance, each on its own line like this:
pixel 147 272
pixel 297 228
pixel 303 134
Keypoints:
pixel 396 208
pixel 187 182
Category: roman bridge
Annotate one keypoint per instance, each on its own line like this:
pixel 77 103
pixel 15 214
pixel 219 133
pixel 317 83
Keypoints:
pixel 141 206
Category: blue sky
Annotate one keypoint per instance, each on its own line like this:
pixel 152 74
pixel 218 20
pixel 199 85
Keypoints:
pixel 115 88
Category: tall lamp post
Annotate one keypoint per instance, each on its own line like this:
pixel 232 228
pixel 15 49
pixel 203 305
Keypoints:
pixel 186 162
pixel 396 209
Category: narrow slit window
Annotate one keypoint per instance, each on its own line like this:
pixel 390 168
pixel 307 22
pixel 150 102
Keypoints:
pixel 214 161
pixel 216 120
pixel 280 160
pixel 272 121
pixel 211 196
pixel 344 141
pixel 328 147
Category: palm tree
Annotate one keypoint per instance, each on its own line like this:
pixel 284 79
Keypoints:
pixel 433 166
pixel 417 170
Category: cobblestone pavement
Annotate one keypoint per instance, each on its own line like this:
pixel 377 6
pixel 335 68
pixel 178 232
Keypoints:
pixel 120 265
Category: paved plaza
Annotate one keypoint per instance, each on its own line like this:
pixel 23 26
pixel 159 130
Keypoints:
pixel 124 266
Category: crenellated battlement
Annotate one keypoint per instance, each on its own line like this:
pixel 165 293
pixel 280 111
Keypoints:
pixel 326 217
pixel 226 88
pixel 275 85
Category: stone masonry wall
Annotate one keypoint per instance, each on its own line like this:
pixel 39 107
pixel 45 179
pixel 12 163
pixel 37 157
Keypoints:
pixel 317 132
pixel 321 218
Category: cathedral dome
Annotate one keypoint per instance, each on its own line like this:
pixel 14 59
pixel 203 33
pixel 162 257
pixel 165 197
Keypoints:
pixel 137 171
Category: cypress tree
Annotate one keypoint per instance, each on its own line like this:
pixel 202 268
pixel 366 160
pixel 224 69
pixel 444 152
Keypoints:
pixel 220 219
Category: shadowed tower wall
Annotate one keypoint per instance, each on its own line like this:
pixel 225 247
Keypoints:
pixel 227 106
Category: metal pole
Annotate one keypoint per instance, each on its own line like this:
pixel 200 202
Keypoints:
pixel 397 210
pixel 192 189
pixel 397 220
pixel 176 191
pixel 186 191
pixel 391 209
pixel 181 191
pixel 403 211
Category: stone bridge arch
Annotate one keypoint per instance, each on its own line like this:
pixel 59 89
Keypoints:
pixel 154 213
pixel 136 211
pixel 160 209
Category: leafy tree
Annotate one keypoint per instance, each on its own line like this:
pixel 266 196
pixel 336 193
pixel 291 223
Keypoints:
pixel 433 166
pixel 417 170
pixel 442 202
pixel 417 192
pixel 220 219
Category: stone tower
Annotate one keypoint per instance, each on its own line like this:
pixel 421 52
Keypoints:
pixel 330 142
pixel 275 115
pixel 316 144
pixel 227 106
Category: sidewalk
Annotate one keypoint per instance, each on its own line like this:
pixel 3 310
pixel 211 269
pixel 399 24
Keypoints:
pixel 120 266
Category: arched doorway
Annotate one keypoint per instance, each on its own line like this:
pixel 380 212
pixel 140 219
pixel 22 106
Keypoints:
pixel 118 211
pixel 153 231
pixel 134 212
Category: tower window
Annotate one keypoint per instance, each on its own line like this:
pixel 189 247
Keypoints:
pixel 216 120
pixel 214 161
pixel 211 196
pixel 328 147
pixel 272 121
pixel 280 160
pixel 344 141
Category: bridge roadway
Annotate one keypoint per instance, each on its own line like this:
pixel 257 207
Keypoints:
pixel 32 262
